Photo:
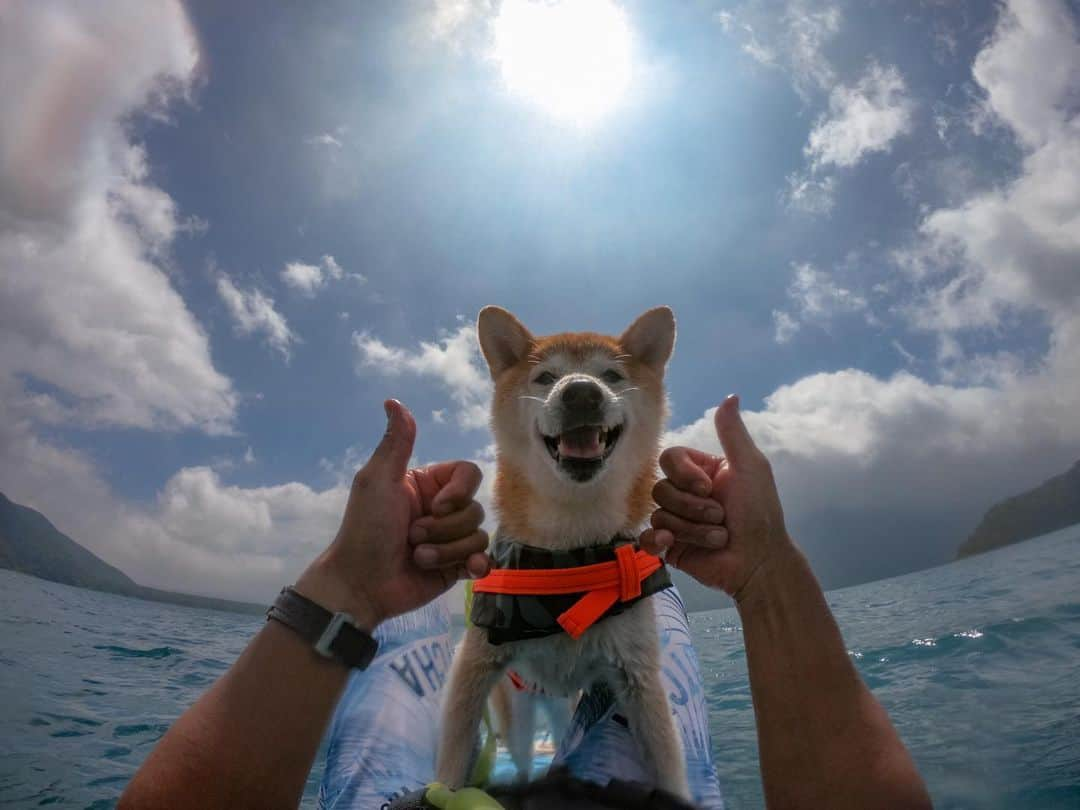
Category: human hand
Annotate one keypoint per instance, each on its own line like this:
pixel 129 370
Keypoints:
pixel 719 519
pixel 407 535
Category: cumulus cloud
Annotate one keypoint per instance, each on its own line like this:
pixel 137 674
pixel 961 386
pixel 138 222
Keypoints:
pixel 453 360
pixel 308 279
pixel 903 464
pixel 253 313
pixel 200 535
pixel 863 118
pixel 86 302
pixel 197 509
pixel 1015 247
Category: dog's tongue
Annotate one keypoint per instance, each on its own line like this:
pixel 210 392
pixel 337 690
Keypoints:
pixel 581 443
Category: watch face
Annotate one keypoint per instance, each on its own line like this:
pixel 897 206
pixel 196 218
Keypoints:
pixel 344 641
pixel 326 641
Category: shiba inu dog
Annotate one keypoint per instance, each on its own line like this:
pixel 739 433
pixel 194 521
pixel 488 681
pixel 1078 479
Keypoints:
pixel 577 419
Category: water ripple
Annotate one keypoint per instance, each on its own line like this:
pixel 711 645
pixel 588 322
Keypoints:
pixel 132 652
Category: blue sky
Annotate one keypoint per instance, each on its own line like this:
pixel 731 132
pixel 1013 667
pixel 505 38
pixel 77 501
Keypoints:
pixel 227 233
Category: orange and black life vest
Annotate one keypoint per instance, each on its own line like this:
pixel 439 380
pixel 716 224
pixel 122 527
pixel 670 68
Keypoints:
pixel 537 592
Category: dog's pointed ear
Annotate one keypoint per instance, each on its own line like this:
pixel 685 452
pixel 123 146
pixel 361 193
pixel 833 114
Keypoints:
pixel 650 338
pixel 503 339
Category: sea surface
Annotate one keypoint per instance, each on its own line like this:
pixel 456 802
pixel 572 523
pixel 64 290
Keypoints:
pixel 977 662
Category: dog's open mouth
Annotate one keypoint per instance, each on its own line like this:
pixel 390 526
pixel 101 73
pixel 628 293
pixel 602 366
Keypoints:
pixel 582 451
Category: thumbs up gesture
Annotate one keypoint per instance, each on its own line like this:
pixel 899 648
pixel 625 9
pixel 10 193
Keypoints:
pixel 719 518
pixel 407 536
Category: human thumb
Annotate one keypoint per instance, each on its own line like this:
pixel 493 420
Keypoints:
pixel 734 437
pixel 394 451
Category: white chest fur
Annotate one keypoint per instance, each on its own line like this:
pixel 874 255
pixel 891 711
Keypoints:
pixel 562 665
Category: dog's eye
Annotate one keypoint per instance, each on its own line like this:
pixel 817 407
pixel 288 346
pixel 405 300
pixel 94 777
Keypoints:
pixel 545 378
pixel 612 376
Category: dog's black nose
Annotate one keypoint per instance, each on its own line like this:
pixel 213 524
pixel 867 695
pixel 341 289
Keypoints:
pixel 582 394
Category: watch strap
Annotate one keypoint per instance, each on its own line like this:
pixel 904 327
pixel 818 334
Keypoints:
pixel 332 635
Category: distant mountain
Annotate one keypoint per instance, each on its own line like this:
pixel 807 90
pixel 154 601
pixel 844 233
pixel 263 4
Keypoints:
pixel 1052 505
pixel 30 544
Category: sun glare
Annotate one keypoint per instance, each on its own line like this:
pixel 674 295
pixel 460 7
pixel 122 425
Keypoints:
pixel 570 57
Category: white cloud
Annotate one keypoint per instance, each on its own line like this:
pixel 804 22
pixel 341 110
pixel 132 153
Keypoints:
pixel 863 119
pixel 331 267
pixel 784 326
pixel 86 302
pixel 908 357
pixel 816 298
pixel 810 194
pixel 453 360
pixel 324 139
pixel 1015 247
pixel 254 313
pixel 195 508
pixel 201 535
pixel 790 35
pixel 308 279
pixel 870 466
pixel 458 23
pixel 304 277
pixel 819 297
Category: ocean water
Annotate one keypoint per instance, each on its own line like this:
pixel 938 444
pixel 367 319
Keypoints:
pixel 977 662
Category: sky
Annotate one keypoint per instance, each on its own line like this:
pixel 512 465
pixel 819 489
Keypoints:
pixel 229 231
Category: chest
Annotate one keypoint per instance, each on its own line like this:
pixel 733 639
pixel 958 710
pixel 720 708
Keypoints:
pixel 561 665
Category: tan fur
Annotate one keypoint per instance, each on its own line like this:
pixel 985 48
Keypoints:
pixel 537 505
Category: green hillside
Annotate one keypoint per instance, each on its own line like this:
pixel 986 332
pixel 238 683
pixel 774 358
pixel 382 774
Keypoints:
pixel 1048 507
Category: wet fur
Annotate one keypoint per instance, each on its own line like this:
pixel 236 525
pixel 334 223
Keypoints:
pixel 537 505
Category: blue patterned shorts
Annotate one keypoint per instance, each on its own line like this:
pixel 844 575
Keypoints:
pixel 383 736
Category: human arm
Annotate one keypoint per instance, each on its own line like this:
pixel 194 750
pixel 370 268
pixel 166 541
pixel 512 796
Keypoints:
pixel 251 739
pixel 823 739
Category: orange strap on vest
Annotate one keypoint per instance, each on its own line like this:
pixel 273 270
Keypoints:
pixel 604 583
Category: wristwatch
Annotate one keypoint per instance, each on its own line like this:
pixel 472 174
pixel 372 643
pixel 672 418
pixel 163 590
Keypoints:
pixel 333 635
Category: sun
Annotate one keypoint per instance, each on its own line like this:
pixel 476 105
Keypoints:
pixel 572 58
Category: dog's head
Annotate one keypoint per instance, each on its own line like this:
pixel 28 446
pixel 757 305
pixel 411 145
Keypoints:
pixel 573 409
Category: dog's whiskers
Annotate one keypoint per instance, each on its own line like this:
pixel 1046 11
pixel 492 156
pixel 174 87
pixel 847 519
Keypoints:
pixel 534 399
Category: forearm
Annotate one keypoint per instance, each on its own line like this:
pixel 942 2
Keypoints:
pixel 251 739
pixel 824 740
